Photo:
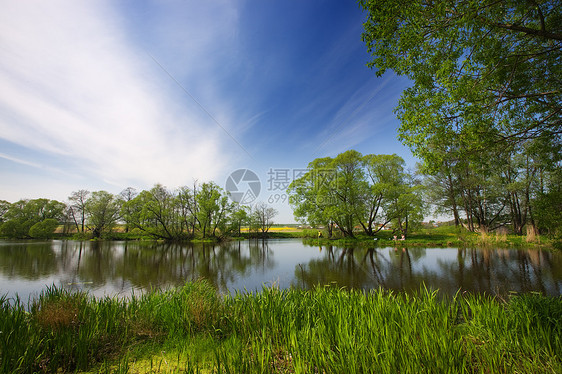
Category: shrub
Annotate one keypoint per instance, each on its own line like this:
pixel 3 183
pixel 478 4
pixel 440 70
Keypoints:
pixel 43 229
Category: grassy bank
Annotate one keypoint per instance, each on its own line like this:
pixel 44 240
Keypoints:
pixel 193 329
pixel 447 236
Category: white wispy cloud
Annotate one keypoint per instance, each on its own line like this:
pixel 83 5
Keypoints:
pixel 73 85
pixel 19 161
pixel 361 116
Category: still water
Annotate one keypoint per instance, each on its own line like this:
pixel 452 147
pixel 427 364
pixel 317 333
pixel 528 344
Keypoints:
pixel 120 268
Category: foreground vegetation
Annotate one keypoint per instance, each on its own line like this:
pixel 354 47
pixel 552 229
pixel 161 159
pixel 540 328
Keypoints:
pixel 193 329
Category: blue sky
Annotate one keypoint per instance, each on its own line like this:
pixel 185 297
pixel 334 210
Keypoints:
pixel 110 94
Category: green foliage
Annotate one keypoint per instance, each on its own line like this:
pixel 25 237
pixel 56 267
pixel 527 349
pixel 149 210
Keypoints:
pixel 239 218
pixel 154 213
pixel 330 330
pixel 313 233
pixel 126 195
pixel 22 215
pixel 43 229
pixel 213 209
pixel 202 211
pixel 354 190
pixel 76 209
pixel 483 112
pixel 483 72
pixel 548 205
pixel 4 207
pixel 102 212
pixel 13 229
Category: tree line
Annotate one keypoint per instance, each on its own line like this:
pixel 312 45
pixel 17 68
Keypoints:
pixel 519 188
pixel 200 211
pixel 354 194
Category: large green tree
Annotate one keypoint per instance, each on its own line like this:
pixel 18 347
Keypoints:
pixel 102 212
pixel 126 195
pixel 352 190
pixel 189 208
pixel 485 73
pixel 330 192
pixel 309 197
pixel 214 209
pixel 387 181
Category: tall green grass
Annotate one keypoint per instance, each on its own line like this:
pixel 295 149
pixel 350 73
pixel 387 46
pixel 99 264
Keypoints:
pixel 193 329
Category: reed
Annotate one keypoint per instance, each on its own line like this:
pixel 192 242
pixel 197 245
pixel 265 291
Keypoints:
pixel 193 329
pixel 501 235
pixel 532 234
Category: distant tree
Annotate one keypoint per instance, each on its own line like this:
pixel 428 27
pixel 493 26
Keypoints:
pixel 126 195
pixel 263 216
pixel 387 181
pixel 308 198
pixel 23 214
pixel 213 209
pixel 347 190
pixel 407 210
pixel 494 189
pixel 239 217
pixel 188 208
pixel 548 205
pixel 77 208
pixel 4 207
pixel 44 209
pixel 13 229
pixel 442 190
pixel 331 192
pixel 102 212
pixel 155 213
pixel 177 215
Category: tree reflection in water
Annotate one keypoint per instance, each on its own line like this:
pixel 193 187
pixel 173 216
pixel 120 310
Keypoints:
pixel 492 271
pixel 119 267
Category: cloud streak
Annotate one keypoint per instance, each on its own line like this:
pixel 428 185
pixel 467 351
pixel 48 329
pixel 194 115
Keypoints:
pixel 19 161
pixel 72 86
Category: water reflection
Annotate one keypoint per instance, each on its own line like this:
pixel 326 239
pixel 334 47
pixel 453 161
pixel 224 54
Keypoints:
pixel 493 271
pixel 120 267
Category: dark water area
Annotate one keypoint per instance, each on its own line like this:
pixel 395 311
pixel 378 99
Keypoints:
pixel 121 268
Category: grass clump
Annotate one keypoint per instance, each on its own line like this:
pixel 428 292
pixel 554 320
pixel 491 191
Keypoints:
pixel 194 329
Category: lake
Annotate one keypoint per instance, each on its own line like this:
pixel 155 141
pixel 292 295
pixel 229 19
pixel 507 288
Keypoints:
pixel 120 268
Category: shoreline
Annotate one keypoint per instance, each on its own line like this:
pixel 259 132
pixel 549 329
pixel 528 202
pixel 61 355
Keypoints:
pixel 379 240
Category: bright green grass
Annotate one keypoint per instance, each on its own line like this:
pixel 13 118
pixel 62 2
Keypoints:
pixel 193 329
